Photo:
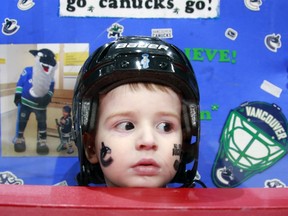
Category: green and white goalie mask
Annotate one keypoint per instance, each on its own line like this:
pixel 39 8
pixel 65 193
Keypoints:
pixel 254 138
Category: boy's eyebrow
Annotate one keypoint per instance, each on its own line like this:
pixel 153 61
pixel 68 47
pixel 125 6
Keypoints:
pixel 132 113
pixel 119 114
pixel 172 114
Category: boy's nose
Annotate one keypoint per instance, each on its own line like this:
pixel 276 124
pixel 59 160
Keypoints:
pixel 146 140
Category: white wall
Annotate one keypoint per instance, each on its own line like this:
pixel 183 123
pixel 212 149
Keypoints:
pixel 17 57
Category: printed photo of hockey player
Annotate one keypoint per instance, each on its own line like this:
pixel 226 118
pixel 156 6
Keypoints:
pixel 64 127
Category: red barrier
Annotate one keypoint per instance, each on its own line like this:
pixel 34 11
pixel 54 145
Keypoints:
pixel 61 200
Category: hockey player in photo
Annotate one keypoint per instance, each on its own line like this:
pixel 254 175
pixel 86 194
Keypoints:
pixel 64 126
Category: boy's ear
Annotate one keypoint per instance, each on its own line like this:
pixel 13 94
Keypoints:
pixel 90 148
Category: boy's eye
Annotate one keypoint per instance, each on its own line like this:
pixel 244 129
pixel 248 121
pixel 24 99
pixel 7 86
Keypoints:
pixel 125 126
pixel 164 126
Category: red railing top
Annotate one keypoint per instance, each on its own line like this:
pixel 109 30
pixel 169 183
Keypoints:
pixel 45 200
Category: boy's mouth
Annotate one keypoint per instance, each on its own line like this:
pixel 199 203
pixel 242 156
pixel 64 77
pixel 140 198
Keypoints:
pixel 146 167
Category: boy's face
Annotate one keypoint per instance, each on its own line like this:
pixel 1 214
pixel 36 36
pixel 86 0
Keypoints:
pixel 65 114
pixel 139 137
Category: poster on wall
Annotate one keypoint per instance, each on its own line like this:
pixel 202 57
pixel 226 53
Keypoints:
pixel 238 50
pixel 140 9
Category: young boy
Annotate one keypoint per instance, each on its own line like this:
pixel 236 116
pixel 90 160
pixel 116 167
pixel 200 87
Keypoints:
pixel 65 126
pixel 136 112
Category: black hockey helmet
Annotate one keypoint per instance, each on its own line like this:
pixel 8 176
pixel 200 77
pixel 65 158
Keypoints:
pixel 129 60
pixel 67 109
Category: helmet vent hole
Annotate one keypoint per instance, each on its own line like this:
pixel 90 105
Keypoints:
pixel 163 65
pixel 124 64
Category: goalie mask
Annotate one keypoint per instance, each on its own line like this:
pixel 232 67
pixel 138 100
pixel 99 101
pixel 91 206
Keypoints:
pixel 253 139
pixel 131 60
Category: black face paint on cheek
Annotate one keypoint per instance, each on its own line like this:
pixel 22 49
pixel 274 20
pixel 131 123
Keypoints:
pixel 105 160
pixel 176 165
pixel 177 149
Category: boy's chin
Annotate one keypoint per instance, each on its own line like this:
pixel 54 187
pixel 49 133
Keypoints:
pixel 139 183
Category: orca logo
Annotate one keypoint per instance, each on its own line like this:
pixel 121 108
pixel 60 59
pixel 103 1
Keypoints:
pixel 231 34
pixel 225 175
pixel 25 4
pixel 10 27
pixel 274 183
pixel 253 5
pixel 105 158
pixel 273 42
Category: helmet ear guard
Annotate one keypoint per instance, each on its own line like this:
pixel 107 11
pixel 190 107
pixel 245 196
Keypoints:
pixel 109 67
pixel 190 146
pixel 84 121
pixel 89 147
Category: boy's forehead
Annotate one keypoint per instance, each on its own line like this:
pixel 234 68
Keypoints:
pixel 130 98
pixel 123 90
